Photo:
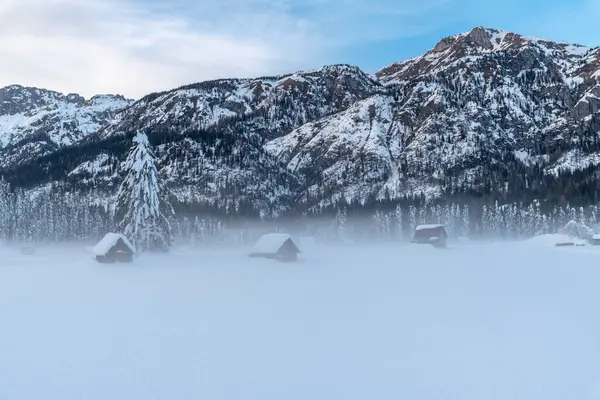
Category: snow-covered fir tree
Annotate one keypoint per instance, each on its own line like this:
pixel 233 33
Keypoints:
pixel 422 215
pixel 143 210
pixel 5 215
pixel 340 224
pixel 387 226
pixel 399 222
pixel 378 223
pixel 412 218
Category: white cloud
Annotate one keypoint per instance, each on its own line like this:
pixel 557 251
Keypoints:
pixel 134 47
pixel 106 46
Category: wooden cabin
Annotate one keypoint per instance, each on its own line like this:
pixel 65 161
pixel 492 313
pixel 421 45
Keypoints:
pixel 434 235
pixel 277 246
pixel 114 247
pixel 595 240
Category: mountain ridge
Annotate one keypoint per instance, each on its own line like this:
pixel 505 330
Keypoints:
pixel 36 121
pixel 463 117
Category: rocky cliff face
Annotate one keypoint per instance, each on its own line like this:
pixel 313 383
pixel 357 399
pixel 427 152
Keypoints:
pixel 487 112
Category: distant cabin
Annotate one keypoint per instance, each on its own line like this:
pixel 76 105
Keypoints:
pixel 430 234
pixel 595 240
pixel 278 246
pixel 114 247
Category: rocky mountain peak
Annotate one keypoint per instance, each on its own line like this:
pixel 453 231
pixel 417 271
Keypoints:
pixel 483 43
pixel 479 37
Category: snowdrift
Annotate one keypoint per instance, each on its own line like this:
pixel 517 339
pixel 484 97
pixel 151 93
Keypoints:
pixel 556 238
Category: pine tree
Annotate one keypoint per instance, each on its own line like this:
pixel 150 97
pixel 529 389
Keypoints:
pixel 399 221
pixel 378 222
pixel 455 224
pixel 5 210
pixel 143 209
pixel 412 218
pixel 581 216
pixel 387 225
pixel 496 220
pixel 545 228
pixel 594 216
pixel 340 224
pixel 446 216
pixel 464 218
pixel 486 221
pixel 572 212
pixel 531 223
pixel 423 212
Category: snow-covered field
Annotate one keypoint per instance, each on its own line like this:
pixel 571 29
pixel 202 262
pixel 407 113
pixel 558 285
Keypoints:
pixel 496 321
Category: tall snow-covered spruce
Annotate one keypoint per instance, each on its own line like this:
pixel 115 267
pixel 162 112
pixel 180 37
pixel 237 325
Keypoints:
pixel 143 209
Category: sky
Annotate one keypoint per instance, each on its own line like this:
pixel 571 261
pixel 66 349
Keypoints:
pixel 134 47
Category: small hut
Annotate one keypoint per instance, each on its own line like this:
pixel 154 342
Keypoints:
pixel 434 235
pixel 278 246
pixel 595 240
pixel 114 247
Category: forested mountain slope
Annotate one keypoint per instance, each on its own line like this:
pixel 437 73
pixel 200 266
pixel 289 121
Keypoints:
pixel 486 113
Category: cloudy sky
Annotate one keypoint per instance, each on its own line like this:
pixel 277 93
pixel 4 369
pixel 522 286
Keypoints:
pixel 134 47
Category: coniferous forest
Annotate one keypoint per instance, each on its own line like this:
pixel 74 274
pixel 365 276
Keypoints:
pixel 490 140
pixel 57 216
pixel 146 211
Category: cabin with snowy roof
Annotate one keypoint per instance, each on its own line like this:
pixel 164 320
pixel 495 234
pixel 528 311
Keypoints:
pixel 595 240
pixel 434 235
pixel 278 246
pixel 114 247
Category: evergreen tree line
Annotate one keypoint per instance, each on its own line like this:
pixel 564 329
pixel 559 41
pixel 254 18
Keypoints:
pixel 512 221
pixel 143 210
pixel 57 216
pixel 144 213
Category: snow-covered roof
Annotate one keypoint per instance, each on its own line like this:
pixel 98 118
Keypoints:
pixel 430 226
pixel 596 236
pixel 552 239
pixel 108 241
pixel 270 243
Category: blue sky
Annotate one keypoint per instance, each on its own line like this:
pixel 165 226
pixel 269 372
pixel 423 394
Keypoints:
pixel 138 46
pixel 553 19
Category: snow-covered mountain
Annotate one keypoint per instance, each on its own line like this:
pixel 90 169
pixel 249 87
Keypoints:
pixel 269 106
pixel 466 115
pixel 35 122
pixel 210 138
pixel 484 43
pixel 489 113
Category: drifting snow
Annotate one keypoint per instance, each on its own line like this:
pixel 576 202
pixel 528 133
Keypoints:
pixel 398 322
pixel 556 238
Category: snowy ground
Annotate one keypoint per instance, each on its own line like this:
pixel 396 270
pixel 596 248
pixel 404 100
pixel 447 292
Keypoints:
pixel 503 321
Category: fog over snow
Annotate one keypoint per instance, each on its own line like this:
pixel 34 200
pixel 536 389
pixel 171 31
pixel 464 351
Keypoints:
pixel 472 321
